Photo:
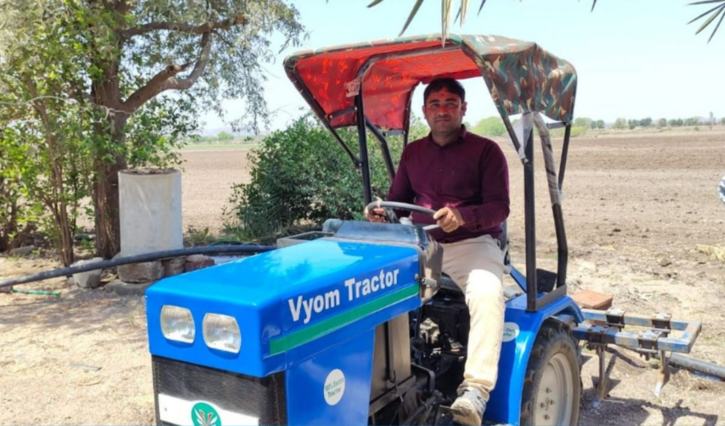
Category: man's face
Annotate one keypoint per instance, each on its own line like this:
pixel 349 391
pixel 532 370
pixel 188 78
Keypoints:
pixel 444 112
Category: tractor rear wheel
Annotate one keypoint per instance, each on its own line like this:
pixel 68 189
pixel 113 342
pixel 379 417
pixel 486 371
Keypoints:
pixel 552 384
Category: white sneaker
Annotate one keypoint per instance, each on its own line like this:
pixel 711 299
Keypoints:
pixel 468 408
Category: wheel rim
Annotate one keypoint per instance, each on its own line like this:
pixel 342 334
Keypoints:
pixel 555 396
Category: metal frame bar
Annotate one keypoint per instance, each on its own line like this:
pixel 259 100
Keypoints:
pixel 550 298
pixel 363 141
pixel 384 148
pixel 564 155
pixel 555 195
pixel 530 222
pixel 317 109
pixel 650 341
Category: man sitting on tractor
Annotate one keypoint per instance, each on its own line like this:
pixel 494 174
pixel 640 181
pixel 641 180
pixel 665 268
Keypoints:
pixel 464 177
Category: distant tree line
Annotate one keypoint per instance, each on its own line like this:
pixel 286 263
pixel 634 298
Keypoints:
pixel 622 123
pixel 493 127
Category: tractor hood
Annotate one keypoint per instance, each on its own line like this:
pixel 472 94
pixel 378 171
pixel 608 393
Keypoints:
pixel 290 303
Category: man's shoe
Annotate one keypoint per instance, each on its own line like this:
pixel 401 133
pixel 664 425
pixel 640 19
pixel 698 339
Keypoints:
pixel 468 408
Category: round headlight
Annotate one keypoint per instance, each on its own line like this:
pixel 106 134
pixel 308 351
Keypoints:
pixel 222 332
pixel 177 324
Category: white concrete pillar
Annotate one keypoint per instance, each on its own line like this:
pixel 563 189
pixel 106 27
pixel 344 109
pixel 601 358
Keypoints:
pixel 150 204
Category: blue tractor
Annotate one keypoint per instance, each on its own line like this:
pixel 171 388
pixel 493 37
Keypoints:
pixel 355 323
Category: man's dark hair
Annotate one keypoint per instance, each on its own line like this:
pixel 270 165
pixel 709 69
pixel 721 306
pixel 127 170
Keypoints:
pixel 450 84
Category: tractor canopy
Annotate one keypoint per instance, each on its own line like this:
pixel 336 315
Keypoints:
pixel 521 76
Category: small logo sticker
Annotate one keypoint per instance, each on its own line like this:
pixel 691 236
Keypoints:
pixel 334 387
pixel 203 414
pixel 510 331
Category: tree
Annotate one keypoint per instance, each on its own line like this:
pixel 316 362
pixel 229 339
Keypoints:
pixel 722 121
pixel 692 121
pixel 447 14
pixel 130 52
pixel 42 131
pixel 632 124
pixel 645 122
pixel 490 127
pixel 583 122
pixel 225 137
pixel 600 124
pixel 620 124
pixel 661 123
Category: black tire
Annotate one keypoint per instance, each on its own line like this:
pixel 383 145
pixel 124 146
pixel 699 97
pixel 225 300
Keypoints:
pixel 555 361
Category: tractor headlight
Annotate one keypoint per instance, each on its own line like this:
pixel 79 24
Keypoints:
pixel 222 332
pixel 177 324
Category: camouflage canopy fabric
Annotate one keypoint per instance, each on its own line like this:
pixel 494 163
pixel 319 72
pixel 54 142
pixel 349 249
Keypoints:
pixel 521 76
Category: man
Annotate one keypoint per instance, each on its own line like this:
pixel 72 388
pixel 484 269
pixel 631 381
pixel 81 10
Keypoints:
pixel 464 178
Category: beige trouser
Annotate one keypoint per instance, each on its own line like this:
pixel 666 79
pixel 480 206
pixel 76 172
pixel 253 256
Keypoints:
pixel 476 266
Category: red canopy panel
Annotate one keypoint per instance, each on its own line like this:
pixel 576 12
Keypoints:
pixel 521 76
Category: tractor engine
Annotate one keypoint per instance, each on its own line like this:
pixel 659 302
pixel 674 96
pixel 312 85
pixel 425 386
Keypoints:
pixel 440 340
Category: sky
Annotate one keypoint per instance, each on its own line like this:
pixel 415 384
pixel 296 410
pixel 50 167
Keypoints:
pixel 634 58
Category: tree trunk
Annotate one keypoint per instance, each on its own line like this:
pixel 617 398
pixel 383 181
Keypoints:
pixel 105 201
pixel 65 238
pixel 106 94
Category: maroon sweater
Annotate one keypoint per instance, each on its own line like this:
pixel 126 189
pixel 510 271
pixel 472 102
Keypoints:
pixel 469 174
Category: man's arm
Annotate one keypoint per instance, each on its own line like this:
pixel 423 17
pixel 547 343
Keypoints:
pixel 495 205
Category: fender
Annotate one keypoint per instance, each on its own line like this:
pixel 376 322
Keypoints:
pixel 520 331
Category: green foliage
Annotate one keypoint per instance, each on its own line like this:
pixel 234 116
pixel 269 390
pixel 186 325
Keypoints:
pixel 599 124
pixel 18 212
pixel 417 130
pixel 299 178
pixel 722 121
pixel 225 137
pixel 198 237
pixel 43 129
pixel 583 122
pixel 645 122
pixel 490 127
pixel 158 130
pixel 676 122
pixel 661 123
pixel 620 124
pixel 97 75
pixel 576 132
pixel 692 121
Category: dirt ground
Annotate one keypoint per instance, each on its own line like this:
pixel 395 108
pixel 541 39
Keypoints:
pixel 639 210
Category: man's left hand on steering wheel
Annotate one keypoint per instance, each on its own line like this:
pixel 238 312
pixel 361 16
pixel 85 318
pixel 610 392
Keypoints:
pixel 449 219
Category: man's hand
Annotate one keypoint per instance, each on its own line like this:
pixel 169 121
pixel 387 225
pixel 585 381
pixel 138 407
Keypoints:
pixel 449 219
pixel 376 215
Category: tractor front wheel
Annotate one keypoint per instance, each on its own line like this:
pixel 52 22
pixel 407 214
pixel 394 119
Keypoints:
pixel 552 385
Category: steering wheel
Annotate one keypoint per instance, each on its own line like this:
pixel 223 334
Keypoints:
pixel 388 207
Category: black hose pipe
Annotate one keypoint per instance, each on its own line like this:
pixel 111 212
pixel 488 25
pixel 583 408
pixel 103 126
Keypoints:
pixel 146 257
pixel 700 366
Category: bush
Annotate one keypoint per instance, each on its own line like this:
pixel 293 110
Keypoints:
pixel 490 127
pixel 576 131
pixel 225 137
pixel 299 178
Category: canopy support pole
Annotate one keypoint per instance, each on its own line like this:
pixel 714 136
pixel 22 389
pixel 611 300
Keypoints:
pixel 362 138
